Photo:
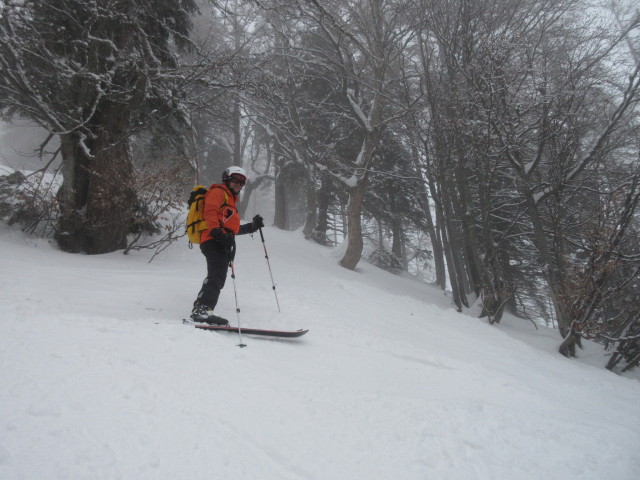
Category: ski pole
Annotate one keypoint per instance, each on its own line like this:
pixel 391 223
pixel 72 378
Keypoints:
pixel 266 255
pixel 235 294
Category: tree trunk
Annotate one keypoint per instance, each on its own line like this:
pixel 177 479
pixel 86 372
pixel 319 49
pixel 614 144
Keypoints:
pixel 97 197
pixel 354 220
pixel 436 245
pixel 72 195
pixel 322 222
pixel 280 216
pixel 396 242
pixel 456 290
pixel 452 239
pixel 309 228
pixel 554 285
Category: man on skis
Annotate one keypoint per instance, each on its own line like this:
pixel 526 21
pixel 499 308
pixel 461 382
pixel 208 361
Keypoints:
pixel 217 242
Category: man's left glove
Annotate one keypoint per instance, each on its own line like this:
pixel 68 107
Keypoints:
pixel 257 223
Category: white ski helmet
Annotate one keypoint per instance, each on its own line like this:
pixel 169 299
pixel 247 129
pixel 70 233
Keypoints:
pixel 233 170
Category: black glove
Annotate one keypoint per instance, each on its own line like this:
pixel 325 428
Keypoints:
pixel 257 223
pixel 223 237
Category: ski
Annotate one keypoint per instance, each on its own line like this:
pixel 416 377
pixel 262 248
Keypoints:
pixel 254 331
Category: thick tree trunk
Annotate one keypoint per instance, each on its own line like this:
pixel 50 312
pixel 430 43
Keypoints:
pixel 72 195
pixel 354 220
pixel 97 197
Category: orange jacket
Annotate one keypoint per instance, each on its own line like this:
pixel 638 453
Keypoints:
pixel 220 211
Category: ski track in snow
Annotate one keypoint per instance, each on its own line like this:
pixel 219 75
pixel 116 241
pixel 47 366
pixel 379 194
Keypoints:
pixel 100 380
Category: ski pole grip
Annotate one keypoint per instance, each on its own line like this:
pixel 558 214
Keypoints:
pixel 261 235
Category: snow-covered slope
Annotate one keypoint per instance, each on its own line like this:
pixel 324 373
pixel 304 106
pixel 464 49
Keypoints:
pixel 99 379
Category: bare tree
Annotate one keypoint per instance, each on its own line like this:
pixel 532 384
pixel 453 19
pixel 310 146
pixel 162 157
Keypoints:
pixel 516 125
pixel 357 47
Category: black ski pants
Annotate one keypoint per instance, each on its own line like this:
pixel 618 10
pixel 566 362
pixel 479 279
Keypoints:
pixel 217 266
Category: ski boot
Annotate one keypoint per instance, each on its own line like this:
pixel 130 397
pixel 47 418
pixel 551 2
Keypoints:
pixel 204 314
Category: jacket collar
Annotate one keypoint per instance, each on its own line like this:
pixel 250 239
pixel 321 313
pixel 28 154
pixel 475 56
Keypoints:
pixel 226 188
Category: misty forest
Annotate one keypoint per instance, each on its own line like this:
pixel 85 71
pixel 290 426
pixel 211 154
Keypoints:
pixel 488 147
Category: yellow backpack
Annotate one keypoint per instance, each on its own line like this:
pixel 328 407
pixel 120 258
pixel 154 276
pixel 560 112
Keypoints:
pixel 195 218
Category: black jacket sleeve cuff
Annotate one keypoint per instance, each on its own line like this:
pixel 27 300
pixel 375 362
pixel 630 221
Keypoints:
pixel 246 228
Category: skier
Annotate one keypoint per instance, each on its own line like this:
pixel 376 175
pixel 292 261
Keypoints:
pixel 218 241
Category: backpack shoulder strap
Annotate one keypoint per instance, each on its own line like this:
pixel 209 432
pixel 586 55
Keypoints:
pixel 198 191
pixel 226 196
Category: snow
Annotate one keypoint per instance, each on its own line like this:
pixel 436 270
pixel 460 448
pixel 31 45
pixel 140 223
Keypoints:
pixel 19 144
pixel 101 380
